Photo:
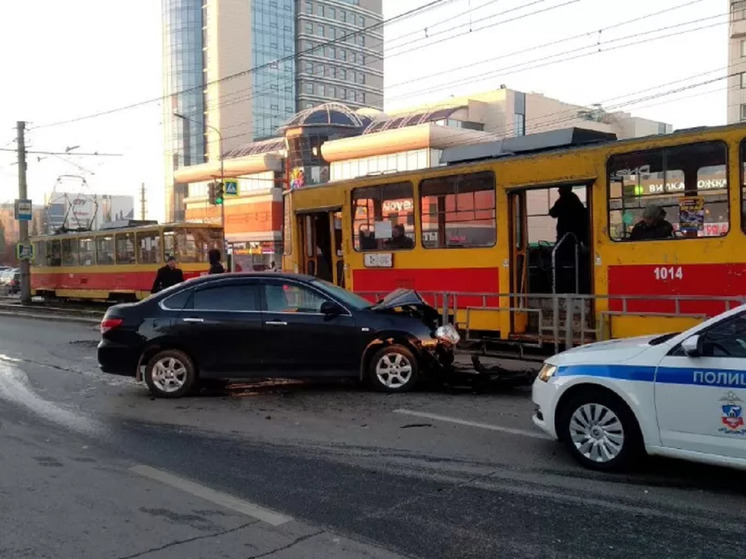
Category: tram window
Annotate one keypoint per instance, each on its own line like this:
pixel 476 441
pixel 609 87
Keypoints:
pixel 458 211
pixel 383 217
pixel 86 253
pixel 743 185
pixel 105 250
pixel 54 253
pixel 125 244
pixel 149 247
pixel 669 193
pixel 40 253
pixel 192 244
pixel 69 252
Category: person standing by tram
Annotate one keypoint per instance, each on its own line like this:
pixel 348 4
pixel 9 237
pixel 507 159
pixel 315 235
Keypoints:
pixel 572 218
pixel 215 266
pixel 167 276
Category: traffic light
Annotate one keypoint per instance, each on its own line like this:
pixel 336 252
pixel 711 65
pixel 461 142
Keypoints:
pixel 211 192
pixel 219 193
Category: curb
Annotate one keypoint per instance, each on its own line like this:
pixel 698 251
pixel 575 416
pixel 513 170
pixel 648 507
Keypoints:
pixel 55 318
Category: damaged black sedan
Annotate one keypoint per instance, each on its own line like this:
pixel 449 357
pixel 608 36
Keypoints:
pixel 271 325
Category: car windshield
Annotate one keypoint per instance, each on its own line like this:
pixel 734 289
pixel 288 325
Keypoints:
pixel 348 298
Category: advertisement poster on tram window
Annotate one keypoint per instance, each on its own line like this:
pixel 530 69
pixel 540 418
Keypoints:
pixel 691 214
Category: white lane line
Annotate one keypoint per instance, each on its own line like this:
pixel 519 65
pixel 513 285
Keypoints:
pixel 435 416
pixel 216 497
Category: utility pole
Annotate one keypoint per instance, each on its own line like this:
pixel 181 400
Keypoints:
pixel 23 224
pixel 142 201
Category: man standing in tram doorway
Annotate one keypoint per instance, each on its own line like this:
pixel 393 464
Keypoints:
pixel 167 276
pixel 572 217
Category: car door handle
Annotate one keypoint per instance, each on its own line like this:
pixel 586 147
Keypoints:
pixel 193 319
pixel 276 323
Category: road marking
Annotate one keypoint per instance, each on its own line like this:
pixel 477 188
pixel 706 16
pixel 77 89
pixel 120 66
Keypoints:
pixel 216 497
pixel 522 432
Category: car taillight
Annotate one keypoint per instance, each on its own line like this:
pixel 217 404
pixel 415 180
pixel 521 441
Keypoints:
pixel 110 323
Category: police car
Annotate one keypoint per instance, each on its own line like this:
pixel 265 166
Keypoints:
pixel 679 395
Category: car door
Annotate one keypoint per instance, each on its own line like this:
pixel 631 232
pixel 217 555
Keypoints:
pixel 300 340
pixel 700 399
pixel 222 327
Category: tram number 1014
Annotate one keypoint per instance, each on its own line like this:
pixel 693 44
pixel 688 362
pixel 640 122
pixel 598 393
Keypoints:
pixel 663 273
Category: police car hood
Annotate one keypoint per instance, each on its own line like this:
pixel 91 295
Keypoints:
pixel 612 351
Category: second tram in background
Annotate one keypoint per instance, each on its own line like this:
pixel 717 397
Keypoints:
pixel 117 263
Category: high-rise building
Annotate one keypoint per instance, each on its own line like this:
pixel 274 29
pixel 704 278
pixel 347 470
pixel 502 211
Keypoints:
pixel 737 62
pixel 236 70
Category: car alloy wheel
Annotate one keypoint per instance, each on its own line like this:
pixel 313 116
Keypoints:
pixel 600 430
pixel 169 374
pixel 597 432
pixel 394 369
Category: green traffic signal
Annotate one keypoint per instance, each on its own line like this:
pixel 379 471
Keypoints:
pixel 219 195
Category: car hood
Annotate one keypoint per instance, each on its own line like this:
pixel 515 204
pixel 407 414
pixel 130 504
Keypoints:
pixel 612 351
pixel 400 298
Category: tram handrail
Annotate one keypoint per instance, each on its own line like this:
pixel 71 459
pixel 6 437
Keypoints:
pixel 577 261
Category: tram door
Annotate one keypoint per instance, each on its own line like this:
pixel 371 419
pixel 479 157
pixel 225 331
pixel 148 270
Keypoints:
pixel 549 260
pixel 321 238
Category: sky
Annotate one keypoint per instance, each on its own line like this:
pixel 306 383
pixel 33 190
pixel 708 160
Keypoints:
pixel 64 60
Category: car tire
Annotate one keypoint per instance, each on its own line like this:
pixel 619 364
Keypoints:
pixel 393 368
pixel 600 431
pixel 170 374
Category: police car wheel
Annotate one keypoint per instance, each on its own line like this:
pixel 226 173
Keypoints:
pixel 600 431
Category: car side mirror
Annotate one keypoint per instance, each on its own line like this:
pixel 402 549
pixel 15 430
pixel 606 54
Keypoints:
pixel 693 346
pixel 330 309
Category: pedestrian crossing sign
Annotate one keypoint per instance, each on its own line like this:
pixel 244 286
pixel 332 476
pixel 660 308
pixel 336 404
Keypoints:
pixel 230 188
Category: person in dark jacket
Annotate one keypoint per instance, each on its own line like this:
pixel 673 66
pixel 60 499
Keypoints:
pixel 571 215
pixel 215 266
pixel 167 276
pixel 653 225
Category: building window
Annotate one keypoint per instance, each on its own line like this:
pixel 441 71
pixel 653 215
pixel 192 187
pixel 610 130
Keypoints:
pixel 743 111
pixel 320 10
pixel 333 32
pixel 738 10
pixel 672 193
pixel 322 89
pixel 342 93
pixel 332 12
pixel 309 28
pixel 362 21
pixel 330 52
pixel 309 88
pixel 309 7
pixel 383 217
pixel 520 124
pixel 360 78
pixel 320 30
pixel 743 80
pixel 743 48
pixel 342 74
pixel 342 15
pixel 361 40
pixel 352 18
pixel 361 96
pixel 309 68
pixel 342 54
pixel 332 91
pixel 458 211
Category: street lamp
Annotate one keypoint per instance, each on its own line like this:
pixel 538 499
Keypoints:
pixel 222 170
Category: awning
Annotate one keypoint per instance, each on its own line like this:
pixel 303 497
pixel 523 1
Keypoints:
pixel 233 168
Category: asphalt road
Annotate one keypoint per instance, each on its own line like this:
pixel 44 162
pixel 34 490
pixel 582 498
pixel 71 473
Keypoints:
pixel 91 466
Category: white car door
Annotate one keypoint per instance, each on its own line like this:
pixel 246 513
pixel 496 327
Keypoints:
pixel 700 397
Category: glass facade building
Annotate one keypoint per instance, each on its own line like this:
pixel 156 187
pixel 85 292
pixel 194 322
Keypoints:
pixel 183 81
pixel 273 52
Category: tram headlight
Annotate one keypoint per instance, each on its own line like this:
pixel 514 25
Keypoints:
pixel 547 372
pixel 447 333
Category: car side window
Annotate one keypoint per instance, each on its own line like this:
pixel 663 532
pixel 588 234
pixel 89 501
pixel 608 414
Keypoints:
pixel 231 297
pixel 287 297
pixel 726 339
pixel 177 301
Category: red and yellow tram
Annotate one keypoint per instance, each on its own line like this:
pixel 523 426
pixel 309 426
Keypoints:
pixel 117 264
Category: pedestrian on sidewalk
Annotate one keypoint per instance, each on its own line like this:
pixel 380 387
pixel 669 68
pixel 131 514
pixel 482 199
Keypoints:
pixel 167 276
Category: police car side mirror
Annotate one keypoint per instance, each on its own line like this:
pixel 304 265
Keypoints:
pixel 692 346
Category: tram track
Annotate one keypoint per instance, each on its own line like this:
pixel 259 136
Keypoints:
pixel 78 312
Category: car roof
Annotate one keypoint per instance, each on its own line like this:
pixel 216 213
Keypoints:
pixel 233 275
